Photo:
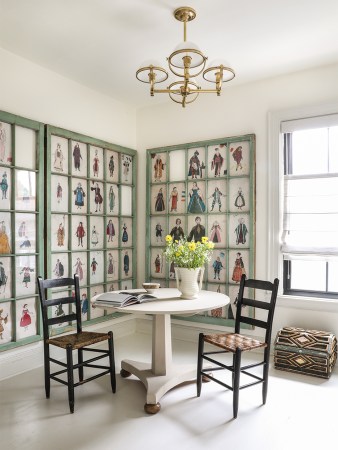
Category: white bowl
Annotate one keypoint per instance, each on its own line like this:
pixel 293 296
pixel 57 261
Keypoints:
pixel 151 287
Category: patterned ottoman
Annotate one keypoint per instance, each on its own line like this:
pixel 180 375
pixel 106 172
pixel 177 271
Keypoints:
pixel 310 352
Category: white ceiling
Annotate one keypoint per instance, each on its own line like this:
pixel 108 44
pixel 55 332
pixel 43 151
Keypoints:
pixel 101 43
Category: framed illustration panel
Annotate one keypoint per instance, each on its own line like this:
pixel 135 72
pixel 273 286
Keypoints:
pixel 158 263
pixel 59 234
pixel 112 199
pixel 217 160
pixel 112 230
pixel 5 187
pixel 217 267
pixel 25 233
pixel 239 194
pixel 126 232
pixel 177 198
pixel 79 158
pixel 26 316
pixel 158 230
pixel 6 320
pixel 112 166
pixel 21 228
pixel 5 143
pixel 59 193
pixel 60 266
pixel 222 311
pixel 196 163
pixel 96 233
pixel 96 201
pixel 239 264
pixel 159 167
pixel 239 230
pixel 126 264
pixel 59 154
pixel 95 184
pixel 79 266
pixel 84 304
pixel 215 180
pixel 240 158
pixel 5 233
pixel 96 162
pixel 25 188
pixel 196 228
pixel 158 199
pixel 217 230
pixel 80 195
pixel 79 232
pixel 177 165
pixel 196 197
pixel 112 265
pixel 177 227
pixel 96 267
pixel 126 201
pixel 126 168
pixel 5 277
pixel 25 147
pixel 217 196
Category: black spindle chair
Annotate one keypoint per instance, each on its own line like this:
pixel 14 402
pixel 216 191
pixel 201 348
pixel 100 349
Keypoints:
pixel 75 341
pixel 237 343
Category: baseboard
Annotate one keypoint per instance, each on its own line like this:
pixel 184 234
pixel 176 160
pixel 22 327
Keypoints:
pixel 28 357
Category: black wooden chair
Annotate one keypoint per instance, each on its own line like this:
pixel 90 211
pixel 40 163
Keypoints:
pixel 237 343
pixel 76 341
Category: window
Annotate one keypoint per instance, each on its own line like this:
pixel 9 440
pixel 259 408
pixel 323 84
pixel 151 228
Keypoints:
pixel 309 238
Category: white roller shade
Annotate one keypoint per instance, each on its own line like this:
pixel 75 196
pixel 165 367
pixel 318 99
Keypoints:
pixel 289 126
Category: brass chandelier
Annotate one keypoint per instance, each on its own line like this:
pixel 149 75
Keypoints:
pixel 186 62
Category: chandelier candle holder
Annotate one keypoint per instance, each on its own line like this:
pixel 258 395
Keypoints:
pixel 186 62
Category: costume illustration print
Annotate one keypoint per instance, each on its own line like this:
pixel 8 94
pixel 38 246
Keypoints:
pixel 5 236
pixel 79 158
pixel 196 198
pixel 196 167
pixel 217 268
pixel 217 160
pixel 26 318
pixel 79 266
pixel 112 196
pixel 159 161
pixel 96 162
pixel 197 229
pixel 79 193
pixel 239 194
pixel 25 233
pixel 239 155
pixel 5 143
pixel 59 193
pixel 96 263
pixel 59 154
pixel 126 168
pixel 112 166
pixel 96 232
pixel 96 202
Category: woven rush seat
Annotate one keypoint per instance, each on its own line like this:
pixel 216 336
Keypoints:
pixel 232 341
pixel 78 340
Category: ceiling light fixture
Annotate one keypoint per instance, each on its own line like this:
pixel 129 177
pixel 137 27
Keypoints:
pixel 186 61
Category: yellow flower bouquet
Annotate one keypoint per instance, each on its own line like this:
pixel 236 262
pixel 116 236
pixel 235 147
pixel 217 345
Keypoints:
pixel 189 255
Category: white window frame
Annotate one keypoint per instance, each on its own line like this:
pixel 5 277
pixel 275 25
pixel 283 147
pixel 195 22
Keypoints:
pixel 275 202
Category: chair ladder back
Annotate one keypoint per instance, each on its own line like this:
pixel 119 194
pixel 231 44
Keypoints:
pixel 67 283
pixel 259 304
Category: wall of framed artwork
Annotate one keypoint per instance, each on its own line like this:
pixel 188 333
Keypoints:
pixel 73 211
pixel 90 215
pixel 204 189
pixel 21 224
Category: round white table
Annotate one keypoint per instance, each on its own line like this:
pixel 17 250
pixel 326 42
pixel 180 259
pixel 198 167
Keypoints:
pixel 161 374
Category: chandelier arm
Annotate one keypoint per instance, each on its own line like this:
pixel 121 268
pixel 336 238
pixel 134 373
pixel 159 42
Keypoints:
pixel 178 91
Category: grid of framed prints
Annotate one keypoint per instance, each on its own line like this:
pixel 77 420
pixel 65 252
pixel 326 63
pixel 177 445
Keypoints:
pixel 204 189
pixel 90 215
pixel 21 222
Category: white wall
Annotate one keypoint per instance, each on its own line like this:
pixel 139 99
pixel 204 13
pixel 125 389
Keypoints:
pixel 31 91
pixel 242 110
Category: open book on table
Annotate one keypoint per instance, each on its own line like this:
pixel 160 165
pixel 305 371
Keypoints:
pixel 121 299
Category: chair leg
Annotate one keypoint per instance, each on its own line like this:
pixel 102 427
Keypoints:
pixel 80 361
pixel 237 369
pixel 47 369
pixel 200 363
pixel 265 374
pixel 70 378
pixel 112 361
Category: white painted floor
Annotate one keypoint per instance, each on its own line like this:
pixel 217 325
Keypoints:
pixel 301 412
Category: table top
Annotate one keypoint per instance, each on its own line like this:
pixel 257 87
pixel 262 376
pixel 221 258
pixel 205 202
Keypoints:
pixel 169 302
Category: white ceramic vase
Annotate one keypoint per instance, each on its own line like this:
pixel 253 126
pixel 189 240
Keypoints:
pixel 189 281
